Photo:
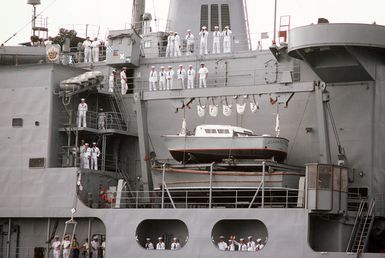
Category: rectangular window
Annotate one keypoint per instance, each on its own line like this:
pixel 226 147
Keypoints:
pixel 214 16
pixel 36 162
pixel 204 16
pixel 324 177
pixel 17 122
pixel 225 16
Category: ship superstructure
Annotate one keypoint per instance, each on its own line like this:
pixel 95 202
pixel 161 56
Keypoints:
pixel 321 90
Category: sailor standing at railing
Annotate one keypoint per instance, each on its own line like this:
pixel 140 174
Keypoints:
pixel 170 78
pixel 95 247
pixel 85 155
pixel 81 153
pixel 222 244
pixel 56 246
pixel 148 245
pixel 153 79
pixel 242 245
pixel 175 245
pixel 190 43
pixel 123 81
pixel 227 40
pixel 216 40
pixel 87 50
pixel 101 120
pixel 203 74
pixel 111 81
pixel 160 245
pixel 176 44
pixel 162 78
pixel 181 75
pixel 170 44
pixel 203 43
pixel 82 113
pixel 190 77
pixel 251 244
pixel 95 50
pixel 66 246
pixel 95 153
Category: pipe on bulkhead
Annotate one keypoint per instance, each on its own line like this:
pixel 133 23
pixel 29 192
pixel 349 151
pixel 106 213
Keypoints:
pixel 138 7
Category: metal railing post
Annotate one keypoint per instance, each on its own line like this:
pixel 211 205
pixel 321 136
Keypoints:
pixel 9 238
pixel 287 198
pixel 163 175
pixel 211 185
pixel 263 183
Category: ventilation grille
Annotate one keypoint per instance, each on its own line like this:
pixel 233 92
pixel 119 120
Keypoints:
pixel 17 122
pixel 225 15
pixel 36 162
pixel 204 16
pixel 214 16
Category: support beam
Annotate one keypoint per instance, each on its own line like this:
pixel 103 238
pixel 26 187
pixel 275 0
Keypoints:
pixel 229 91
pixel 144 153
pixel 322 97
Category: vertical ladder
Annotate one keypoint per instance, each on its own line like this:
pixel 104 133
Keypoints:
pixel 123 109
pixel 361 230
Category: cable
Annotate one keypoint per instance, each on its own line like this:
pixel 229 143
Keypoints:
pixel 22 28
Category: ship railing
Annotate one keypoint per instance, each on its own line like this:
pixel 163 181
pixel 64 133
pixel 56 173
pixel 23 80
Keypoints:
pixel 380 204
pixel 194 198
pixel 18 251
pixel 112 120
pixel 221 78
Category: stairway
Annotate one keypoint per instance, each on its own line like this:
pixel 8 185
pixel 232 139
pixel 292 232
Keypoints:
pixel 362 226
pixel 120 114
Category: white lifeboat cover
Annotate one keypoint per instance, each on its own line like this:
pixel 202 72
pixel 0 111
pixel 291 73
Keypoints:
pixel 227 109
pixel 201 110
pixel 213 110
pixel 241 108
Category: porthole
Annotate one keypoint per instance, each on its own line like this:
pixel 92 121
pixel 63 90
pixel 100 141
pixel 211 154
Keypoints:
pixel 162 234
pixel 239 235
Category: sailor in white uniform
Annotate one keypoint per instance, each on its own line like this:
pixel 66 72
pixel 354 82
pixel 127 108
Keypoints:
pixel 56 246
pixel 170 44
pixel 250 244
pixel 95 50
pixel 160 245
pixel 175 245
pixel 259 245
pixel 85 154
pixel 203 73
pixel 95 153
pixel 203 43
pixel 190 77
pixel 111 81
pixel 162 78
pixel 66 246
pixel 102 120
pixel 81 153
pixel 123 81
pixel 177 44
pixel 148 245
pixel 153 79
pixel 216 40
pixel 227 40
pixel 87 50
pixel 190 43
pixel 242 245
pixel 95 247
pixel 181 75
pixel 222 244
pixel 169 78
pixel 82 113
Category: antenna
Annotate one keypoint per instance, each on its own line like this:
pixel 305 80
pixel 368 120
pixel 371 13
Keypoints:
pixel 33 3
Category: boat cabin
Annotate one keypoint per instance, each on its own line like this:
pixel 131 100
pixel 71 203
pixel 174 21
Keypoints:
pixel 221 131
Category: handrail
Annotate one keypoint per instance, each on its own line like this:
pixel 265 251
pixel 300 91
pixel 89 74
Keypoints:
pixel 369 214
pixel 355 225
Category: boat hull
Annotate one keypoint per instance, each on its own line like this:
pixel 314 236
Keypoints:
pixel 192 149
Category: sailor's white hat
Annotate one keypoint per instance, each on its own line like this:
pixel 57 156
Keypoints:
pixel 94 143
pixel 148 239
pixel 162 67
pixel 250 237
pixel 82 99
pixel 190 66
pixel 160 238
pixel 216 26
pixel 202 63
pixel 152 67
pixel 221 237
pixel 241 239
pixel 259 240
pixel 204 27
pixel 180 65
pixel 95 237
pixel 169 66
pixel 174 239
pixel 188 30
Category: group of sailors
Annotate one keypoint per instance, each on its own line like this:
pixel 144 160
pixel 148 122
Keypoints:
pixel 166 77
pixel 89 155
pixel 175 245
pixel 242 245
pixel 64 248
pixel 82 116
pixel 174 42
pixel 91 50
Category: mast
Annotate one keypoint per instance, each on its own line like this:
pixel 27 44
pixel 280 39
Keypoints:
pixel 138 7
pixel 275 22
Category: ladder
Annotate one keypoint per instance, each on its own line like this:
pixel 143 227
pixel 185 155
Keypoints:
pixel 361 230
pixel 120 112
